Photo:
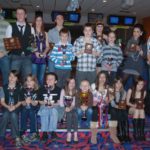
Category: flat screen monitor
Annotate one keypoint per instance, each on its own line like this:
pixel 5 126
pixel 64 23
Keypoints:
pixel 113 20
pixel 129 21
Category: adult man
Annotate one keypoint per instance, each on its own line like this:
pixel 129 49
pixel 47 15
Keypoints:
pixel 53 35
pixel 20 58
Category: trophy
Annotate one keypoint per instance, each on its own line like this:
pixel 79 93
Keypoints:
pixel 63 47
pixel 122 104
pixel 84 101
pixel 41 39
pixel 11 98
pixel 32 44
pixel 88 48
pixel 12 43
pixel 139 104
pixel 28 94
pixel 68 101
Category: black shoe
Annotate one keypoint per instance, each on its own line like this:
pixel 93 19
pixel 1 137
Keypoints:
pixel 54 135
pixel 44 137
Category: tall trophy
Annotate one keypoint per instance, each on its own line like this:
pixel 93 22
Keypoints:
pixel 84 101
pixel 32 44
pixel 41 39
pixel 140 104
pixel 63 47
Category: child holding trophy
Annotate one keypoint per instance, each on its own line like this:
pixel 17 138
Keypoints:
pixel 135 100
pixel 84 103
pixel 67 99
pixel 29 101
pixel 48 97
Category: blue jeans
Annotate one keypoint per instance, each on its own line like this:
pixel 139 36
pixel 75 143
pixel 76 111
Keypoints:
pixel 88 113
pixel 39 70
pixel 21 64
pixel 49 118
pixel 51 66
pixel 25 114
pixel 5 68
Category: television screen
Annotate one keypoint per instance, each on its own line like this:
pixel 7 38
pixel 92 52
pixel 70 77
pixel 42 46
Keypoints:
pixel 129 20
pixel 113 20
pixel 74 17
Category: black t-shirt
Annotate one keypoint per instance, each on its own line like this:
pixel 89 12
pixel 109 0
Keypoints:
pixel 24 93
pixel 12 96
pixel 43 94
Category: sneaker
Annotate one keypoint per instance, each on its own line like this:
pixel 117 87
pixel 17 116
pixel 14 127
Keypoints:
pixel 18 143
pixel 54 135
pixel 33 137
pixel 25 139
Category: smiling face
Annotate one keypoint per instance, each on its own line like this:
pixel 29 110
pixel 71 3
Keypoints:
pixel 21 15
pixel 140 85
pixel 30 82
pixel 59 20
pixel 137 33
pixel 50 80
pixel 118 85
pixel 85 86
pixel 64 37
pixel 102 79
pixel 39 22
pixel 88 31
pixel 71 84
pixel 111 38
pixel 12 79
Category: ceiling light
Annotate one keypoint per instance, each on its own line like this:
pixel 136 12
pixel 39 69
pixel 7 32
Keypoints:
pixel 92 9
pixel 104 1
pixel 37 6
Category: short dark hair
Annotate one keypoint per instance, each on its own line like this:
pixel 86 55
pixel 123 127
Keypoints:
pixel 64 30
pixel 15 73
pixel 21 8
pixel 52 74
pixel 88 25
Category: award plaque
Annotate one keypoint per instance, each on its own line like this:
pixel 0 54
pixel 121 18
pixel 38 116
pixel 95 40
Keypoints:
pixel 12 43
pixel 140 104
pixel 88 48
pixel 122 104
pixel 68 101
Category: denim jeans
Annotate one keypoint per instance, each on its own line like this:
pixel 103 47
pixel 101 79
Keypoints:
pixel 11 117
pixel 88 113
pixel 51 66
pixel 49 118
pixel 25 114
pixel 21 64
pixel 39 71
pixel 5 68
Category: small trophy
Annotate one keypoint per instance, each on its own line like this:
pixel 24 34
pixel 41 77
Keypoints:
pixel 11 98
pixel 63 47
pixel 88 48
pixel 32 44
pixel 68 101
pixel 28 94
pixel 140 104
pixel 110 60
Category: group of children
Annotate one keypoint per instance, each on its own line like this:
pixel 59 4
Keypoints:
pixel 100 104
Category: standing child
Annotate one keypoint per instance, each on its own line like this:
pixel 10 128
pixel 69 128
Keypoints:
pixel 29 102
pixel 111 57
pixel 135 99
pixel 62 56
pixel 10 106
pixel 67 99
pixel 49 96
pixel 84 103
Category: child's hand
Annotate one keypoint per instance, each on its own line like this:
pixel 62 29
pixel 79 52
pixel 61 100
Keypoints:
pixel 67 109
pixel 96 54
pixel 28 100
pixel 84 107
pixel 12 108
pixel 37 54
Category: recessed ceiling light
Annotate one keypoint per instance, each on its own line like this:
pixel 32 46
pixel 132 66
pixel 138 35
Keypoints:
pixel 92 9
pixel 104 1
pixel 37 6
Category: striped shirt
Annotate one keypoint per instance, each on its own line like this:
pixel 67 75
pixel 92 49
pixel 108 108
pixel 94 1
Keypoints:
pixel 59 52
pixel 86 62
pixel 110 55
pixel 3 27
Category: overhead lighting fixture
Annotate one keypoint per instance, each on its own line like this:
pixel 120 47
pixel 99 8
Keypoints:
pixel 37 6
pixel 104 1
pixel 92 10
